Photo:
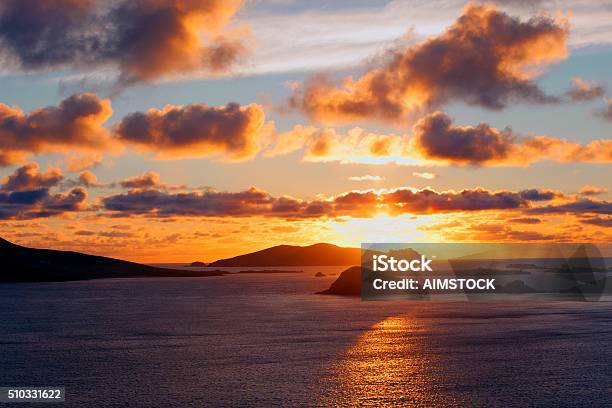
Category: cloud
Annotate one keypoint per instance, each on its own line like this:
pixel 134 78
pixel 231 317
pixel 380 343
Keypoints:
pixel 104 234
pixel 428 201
pixel 598 221
pixel 536 194
pixel 256 202
pixel 425 175
pixel 28 177
pixel 435 138
pixel 40 203
pixel 142 39
pixel 526 220
pixel 147 180
pixel 324 145
pixel 198 130
pixel 88 179
pixel 74 125
pixel 582 90
pixel 85 233
pixel 354 146
pixel 81 162
pixel 206 203
pixel 583 206
pixel 26 194
pixel 606 113
pixel 290 141
pixel 589 190
pixel 367 177
pixel 486 58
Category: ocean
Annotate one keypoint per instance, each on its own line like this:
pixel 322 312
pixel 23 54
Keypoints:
pixel 268 340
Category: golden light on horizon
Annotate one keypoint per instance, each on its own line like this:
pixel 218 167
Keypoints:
pixel 381 228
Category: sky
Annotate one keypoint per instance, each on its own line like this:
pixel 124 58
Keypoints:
pixel 184 130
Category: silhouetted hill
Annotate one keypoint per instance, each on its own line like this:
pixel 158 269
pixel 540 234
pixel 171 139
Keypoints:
pixel 22 264
pixel 196 264
pixel 347 284
pixel 288 255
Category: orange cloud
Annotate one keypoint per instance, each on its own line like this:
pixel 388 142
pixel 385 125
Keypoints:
pixel 436 138
pixel 589 190
pixel 198 130
pixel 143 39
pixel 147 180
pixel 28 177
pixel 485 58
pixel 88 179
pixel 75 124
pixel 290 141
pixel 329 145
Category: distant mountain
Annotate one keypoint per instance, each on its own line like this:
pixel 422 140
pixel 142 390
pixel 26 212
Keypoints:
pixel 288 255
pixel 22 264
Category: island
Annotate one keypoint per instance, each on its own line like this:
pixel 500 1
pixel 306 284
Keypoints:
pixel 347 284
pixel 196 264
pixel 321 254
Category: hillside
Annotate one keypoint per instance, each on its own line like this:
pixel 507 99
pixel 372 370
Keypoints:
pixel 288 255
pixel 22 264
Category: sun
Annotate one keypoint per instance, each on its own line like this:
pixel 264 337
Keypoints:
pixel 381 228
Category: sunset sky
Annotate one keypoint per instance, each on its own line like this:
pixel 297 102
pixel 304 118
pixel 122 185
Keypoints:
pixel 183 130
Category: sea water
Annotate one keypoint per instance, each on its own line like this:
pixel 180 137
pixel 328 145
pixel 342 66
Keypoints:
pixel 267 339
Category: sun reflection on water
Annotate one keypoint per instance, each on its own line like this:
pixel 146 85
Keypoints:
pixel 387 366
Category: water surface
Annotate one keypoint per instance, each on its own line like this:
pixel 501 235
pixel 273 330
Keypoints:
pixel 261 340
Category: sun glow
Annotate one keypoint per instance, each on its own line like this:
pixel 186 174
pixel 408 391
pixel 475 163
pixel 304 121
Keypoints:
pixel 381 228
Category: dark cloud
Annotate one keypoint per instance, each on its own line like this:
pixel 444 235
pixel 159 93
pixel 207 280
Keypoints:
pixel 534 194
pixel 143 39
pixel 485 58
pixel 436 138
pixel 255 202
pixel 147 180
pixel 207 203
pixel 429 201
pixel 584 206
pixel 26 194
pixel 28 177
pixel 40 203
pixel 196 130
pixel 116 234
pixel 606 113
pixel 598 221
pixel 75 124
pixel 582 90
pixel 526 220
